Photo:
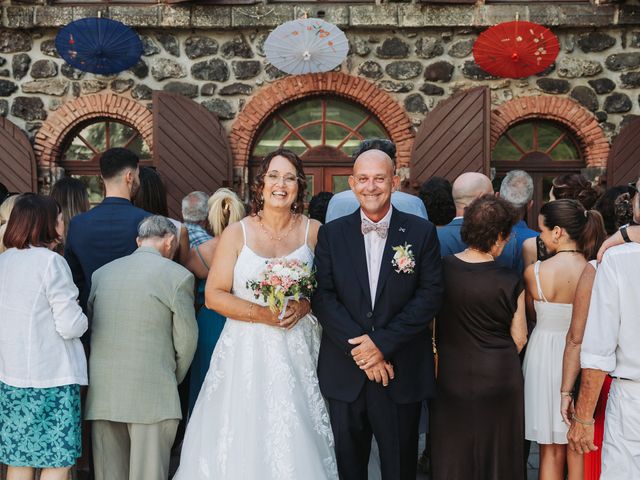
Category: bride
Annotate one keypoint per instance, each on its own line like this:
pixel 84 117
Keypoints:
pixel 260 414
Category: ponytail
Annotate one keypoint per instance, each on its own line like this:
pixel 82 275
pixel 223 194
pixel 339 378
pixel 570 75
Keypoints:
pixel 593 234
pixel 585 227
pixel 224 208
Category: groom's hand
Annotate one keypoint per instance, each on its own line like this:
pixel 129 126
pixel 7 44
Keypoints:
pixel 382 372
pixel 366 354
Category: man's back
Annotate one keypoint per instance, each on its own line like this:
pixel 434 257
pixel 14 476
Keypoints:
pixel 99 236
pixel 143 338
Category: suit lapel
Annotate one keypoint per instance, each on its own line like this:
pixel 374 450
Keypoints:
pixel 355 243
pixel 396 236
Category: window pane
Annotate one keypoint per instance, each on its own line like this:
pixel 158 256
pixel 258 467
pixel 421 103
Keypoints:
pixel 335 134
pixel 339 183
pixel 523 135
pixel 140 148
pixel 547 134
pixel 78 151
pixel 95 134
pixel 303 112
pixel 295 145
pixel 345 112
pixel 373 129
pixel 119 133
pixel 271 138
pixel 565 150
pixel 505 150
pixel 312 134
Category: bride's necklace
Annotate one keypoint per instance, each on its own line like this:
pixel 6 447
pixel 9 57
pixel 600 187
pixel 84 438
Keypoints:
pixel 569 251
pixel 470 249
pixel 292 223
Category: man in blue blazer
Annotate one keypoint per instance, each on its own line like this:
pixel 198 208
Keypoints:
pixel 379 286
pixel 109 230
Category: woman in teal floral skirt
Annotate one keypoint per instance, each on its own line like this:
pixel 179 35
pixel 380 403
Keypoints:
pixel 42 363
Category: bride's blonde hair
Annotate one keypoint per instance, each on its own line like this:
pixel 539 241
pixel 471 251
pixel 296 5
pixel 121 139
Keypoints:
pixel 224 208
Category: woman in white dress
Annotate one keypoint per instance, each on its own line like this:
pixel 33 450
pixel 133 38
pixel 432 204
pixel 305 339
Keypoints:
pixel 572 235
pixel 260 414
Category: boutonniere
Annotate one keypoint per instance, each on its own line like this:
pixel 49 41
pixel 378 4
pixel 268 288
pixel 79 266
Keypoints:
pixel 403 260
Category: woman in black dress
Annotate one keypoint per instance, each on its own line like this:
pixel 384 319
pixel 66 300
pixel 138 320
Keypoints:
pixel 477 422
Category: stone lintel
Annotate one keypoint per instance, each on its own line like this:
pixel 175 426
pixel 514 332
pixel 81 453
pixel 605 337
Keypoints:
pixel 269 15
pixel 385 15
pixel 147 16
pixel 332 13
pixel 204 16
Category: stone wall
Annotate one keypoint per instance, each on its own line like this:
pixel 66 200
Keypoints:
pixel 410 57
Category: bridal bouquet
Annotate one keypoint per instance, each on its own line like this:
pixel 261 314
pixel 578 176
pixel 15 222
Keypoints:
pixel 281 280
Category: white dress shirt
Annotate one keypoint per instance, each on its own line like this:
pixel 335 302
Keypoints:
pixel 374 248
pixel 612 334
pixel 40 321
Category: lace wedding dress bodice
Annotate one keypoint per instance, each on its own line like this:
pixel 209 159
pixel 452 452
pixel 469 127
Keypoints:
pixel 260 414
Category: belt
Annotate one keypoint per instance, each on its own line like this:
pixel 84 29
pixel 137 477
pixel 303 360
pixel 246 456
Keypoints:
pixel 622 378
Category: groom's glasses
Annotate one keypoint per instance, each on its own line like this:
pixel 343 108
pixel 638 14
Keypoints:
pixel 275 177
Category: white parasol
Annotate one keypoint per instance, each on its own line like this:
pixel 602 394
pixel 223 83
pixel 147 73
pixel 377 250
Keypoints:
pixel 307 45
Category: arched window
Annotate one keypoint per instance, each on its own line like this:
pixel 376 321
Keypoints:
pixel 83 146
pixel 323 131
pixel 542 148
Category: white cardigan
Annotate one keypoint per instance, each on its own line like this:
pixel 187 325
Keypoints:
pixel 40 321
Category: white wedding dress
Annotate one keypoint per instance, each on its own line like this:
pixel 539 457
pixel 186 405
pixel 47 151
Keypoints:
pixel 260 414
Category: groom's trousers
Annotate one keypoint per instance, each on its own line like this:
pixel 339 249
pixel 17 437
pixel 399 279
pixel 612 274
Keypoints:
pixel 395 427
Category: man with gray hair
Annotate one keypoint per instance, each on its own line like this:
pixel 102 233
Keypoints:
pixel 517 189
pixel 195 210
pixel 144 336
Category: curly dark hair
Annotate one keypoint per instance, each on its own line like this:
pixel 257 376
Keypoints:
pixel 616 208
pixel 318 206
pixel 435 193
pixel 257 200
pixel 575 187
pixel 485 219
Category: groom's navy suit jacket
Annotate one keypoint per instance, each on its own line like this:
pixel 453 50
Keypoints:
pixel 398 325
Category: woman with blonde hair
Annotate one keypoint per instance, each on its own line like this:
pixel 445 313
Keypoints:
pixel 225 208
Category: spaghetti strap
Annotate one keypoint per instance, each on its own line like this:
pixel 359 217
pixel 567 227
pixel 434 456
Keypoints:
pixel 204 262
pixel 536 272
pixel 306 233
pixel 244 232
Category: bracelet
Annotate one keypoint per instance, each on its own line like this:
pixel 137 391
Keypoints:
pixel 583 422
pixel 566 394
pixel 251 312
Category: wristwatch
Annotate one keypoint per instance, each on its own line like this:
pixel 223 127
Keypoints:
pixel 624 233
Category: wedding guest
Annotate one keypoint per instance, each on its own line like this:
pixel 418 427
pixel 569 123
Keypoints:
pixel 107 231
pixel 436 195
pixel 5 212
pixel 610 347
pixel 42 362
pixel 4 192
pixel 143 338
pixel 260 413
pixel 517 189
pixel 72 196
pixel 195 209
pixel 479 406
pixel 225 208
pixel 345 203
pixel 152 197
pixel 573 186
pixel 318 206
pixel 572 235
pixel 614 210
pixel 379 285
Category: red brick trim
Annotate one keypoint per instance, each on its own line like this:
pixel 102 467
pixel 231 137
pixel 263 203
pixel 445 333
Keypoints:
pixel 51 135
pixel 271 98
pixel 578 119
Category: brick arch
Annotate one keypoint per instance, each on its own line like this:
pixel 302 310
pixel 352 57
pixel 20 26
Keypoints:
pixel 580 121
pixel 50 137
pixel 271 98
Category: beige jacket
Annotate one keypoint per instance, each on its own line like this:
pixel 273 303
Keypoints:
pixel 143 338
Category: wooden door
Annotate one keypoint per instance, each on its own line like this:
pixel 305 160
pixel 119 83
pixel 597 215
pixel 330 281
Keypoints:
pixel 623 165
pixel 454 138
pixel 191 150
pixel 17 160
pixel 336 179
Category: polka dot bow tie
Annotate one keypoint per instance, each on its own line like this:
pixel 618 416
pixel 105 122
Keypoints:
pixel 380 228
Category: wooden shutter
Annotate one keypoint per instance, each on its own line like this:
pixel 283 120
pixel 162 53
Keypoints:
pixel 624 163
pixel 454 138
pixel 190 150
pixel 17 160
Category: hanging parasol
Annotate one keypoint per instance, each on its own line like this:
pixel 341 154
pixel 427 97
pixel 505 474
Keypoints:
pixel 99 45
pixel 516 49
pixel 307 45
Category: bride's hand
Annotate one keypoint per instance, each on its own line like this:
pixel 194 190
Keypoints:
pixel 294 312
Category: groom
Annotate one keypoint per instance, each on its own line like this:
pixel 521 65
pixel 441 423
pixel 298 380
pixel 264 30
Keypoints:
pixel 375 301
